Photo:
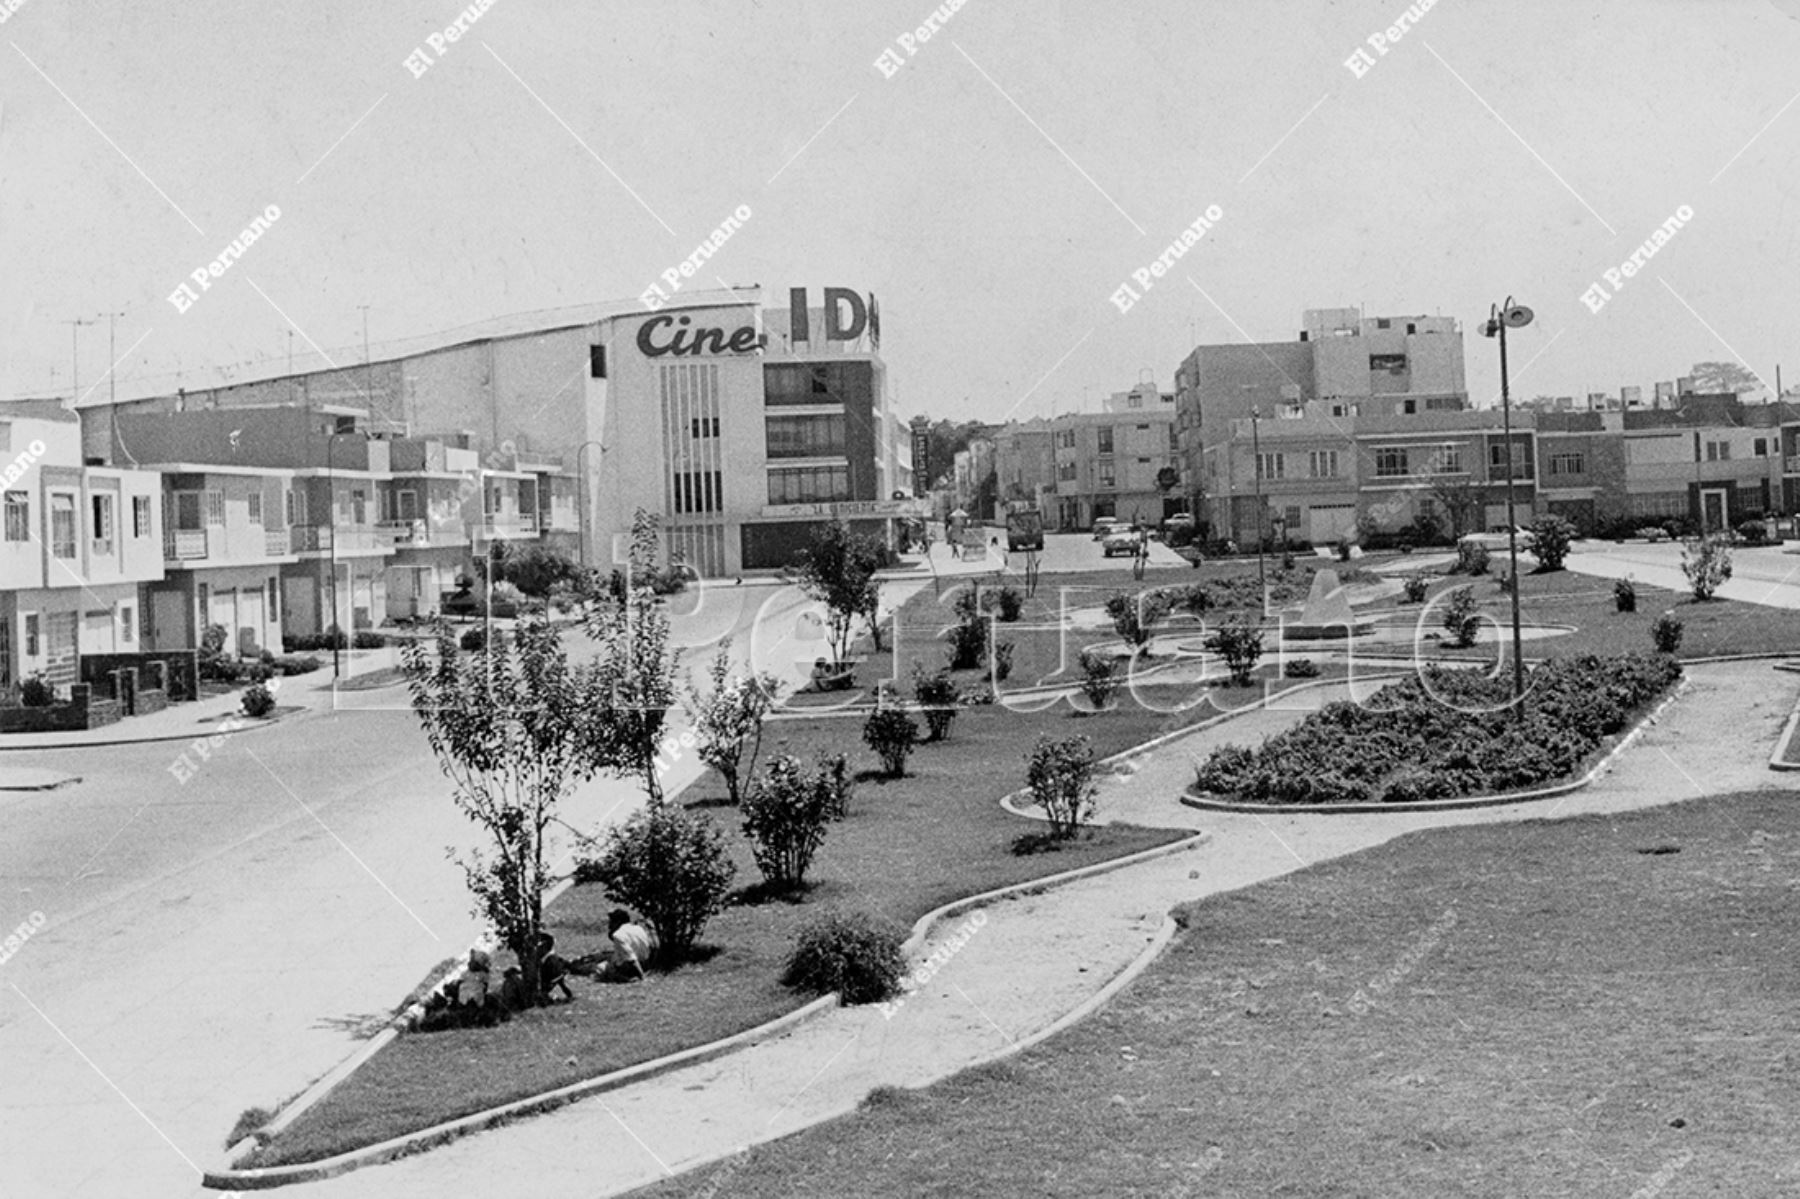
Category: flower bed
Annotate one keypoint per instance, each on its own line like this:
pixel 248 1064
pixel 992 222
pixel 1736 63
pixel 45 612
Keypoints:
pixel 1443 734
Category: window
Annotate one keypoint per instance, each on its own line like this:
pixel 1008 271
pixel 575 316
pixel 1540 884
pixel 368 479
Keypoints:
pixel 809 484
pixel 187 510
pixel 1390 463
pixel 1107 478
pixel 1383 323
pixel 18 516
pixel 274 599
pixel 1106 440
pixel 254 503
pixel 1174 438
pixel 699 491
pixel 1323 464
pixel 1134 400
pixel 1065 471
pixel 805 383
pixel 31 634
pixel 1271 466
pixel 1450 460
pixel 1340 409
pixel 1497 460
pixel 1568 464
pixel 62 526
pixel 1394 364
pixel 359 506
pixel 1761 448
pixel 203 601
pixel 704 426
pixel 1718 451
pixel 1409 407
pixel 102 527
pixel 1143 427
pixel 215 507
pixel 1443 404
pixel 140 516
pixel 1411 329
pixel 805 436
pixel 127 623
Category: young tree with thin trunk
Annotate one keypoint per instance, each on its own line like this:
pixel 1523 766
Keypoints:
pixel 513 728
pixel 728 719
pixel 635 667
pixel 838 570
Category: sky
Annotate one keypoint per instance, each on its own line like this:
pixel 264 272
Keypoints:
pixel 993 190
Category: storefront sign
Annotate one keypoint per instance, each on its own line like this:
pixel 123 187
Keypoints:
pixel 847 317
pixel 654 339
pixel 849 508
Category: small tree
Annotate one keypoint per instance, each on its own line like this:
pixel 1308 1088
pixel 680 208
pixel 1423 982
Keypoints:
pixel 728 719
pixel 1625 594
pixel 838 570
pixel 1099 680
pixel 1415 587
pixel 785 817
pixel 1550 539
pixel 1706 561
pixel 1060 774
pixel 668 863
pixel 1135 617
pixel 1665 632
pixel 938 698
pixel 1462 618
pixel 968 637
pixel 1471 558
pixel 1240 644
pixel 892 734
pixel 635 666
pixel 514 731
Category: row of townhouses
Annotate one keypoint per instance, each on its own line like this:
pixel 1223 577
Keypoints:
pixel 1365 422
pixel 354 495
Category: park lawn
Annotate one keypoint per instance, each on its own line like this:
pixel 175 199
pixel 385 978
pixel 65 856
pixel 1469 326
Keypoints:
pixel 908 846
pixel 1543 1008
pixel 1713 628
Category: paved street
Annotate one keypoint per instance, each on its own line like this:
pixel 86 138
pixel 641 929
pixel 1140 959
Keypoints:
pixel 219 944
pixel 1763 575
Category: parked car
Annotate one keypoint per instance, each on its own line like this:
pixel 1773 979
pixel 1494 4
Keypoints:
pixel 1105 527
pixel 1179 520
pixel 1122 540
pixel 1495 539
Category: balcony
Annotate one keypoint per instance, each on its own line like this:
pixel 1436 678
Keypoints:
pixel 403 532
pixel 275 543
pixel 510 525
pixel 1790 465
pixel 316 538
pixel 183 544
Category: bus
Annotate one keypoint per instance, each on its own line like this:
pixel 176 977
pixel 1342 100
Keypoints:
pixel 1024 526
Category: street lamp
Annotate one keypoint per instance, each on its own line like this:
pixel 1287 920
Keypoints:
pixel 1262 581
pixel 1500 318
pixel 331 540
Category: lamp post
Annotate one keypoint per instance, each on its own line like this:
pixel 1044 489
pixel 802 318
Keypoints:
pixel 331 543
pixel 1262 581
pixel 1500 318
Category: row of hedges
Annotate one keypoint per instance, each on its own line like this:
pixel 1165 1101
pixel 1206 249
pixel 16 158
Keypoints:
pixel 1445 733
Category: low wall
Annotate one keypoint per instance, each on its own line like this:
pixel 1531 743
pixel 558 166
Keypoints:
pixel 82 711
pixel 178 669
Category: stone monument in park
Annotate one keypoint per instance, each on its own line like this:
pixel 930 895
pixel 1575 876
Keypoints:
pixel 1326 615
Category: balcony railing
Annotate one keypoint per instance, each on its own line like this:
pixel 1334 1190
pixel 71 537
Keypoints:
pixel 403 532
pixel 182 544
pixel 1790 465
pixel 348 540
pixel 275 543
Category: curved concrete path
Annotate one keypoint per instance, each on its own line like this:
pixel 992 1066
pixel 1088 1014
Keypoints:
pixel 1039 957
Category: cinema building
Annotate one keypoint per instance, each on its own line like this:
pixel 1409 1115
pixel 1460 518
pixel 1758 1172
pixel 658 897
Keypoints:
pixel 741 426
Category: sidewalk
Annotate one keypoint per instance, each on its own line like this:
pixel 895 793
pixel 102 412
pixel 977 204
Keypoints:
pixel 1039 957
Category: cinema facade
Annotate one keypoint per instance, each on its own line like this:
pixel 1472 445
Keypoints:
pixel 742 426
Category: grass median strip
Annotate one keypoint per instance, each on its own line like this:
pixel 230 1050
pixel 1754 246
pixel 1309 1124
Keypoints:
pixel 1541 1008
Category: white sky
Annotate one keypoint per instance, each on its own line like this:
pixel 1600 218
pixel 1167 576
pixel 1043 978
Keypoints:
pixel 993 234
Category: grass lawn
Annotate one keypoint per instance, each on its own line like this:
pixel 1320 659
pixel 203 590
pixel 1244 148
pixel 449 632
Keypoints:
pixel 908 846
pixel 1713 628
pixel 1547 1008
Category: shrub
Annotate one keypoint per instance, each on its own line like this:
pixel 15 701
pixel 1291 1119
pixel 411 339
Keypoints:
pixel 367 639
pixel 979 697
pixel 1098 681
pixel 1754 532
pixel 1706 561
pixel 1000 660
pixel 1009 602
pixel 332 639
pixel 258 702
pixel 1196 599
pixel 1416 586
pixel 968 637
pixel 937 697
pixel 852 953
pixel 1462 618
pixel 256 672
pixel 220 669
pixel 266 656
pixel 1471 558
pixel 892 734
pixel 786 812
pixel 36 691
pixel 1240 643
pixel 1300 668
pixel 1134 617
pixel 473 639
pixel 303 664
pixel 212 639
pixel 1666 633
pixel 1060 774
pixel 1551 536
pixel 1625 595
pixel 668 863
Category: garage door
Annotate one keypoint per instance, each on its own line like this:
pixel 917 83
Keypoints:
pixel 1326 523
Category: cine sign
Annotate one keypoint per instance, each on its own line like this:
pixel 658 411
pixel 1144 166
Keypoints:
pixel 847 317
pixel 652 339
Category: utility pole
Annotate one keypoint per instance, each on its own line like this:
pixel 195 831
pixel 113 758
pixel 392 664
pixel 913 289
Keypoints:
pixel 75 356
pixel 368 367
pixel 112 378
pixel 1502 317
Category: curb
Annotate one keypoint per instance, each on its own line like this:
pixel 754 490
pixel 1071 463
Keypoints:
pixel 1779 759
pixel 243 726
pixel 230 1179
pixel 1201 800
pixel 67 780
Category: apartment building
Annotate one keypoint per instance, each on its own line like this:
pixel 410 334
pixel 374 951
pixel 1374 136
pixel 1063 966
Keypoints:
pixel 77 544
